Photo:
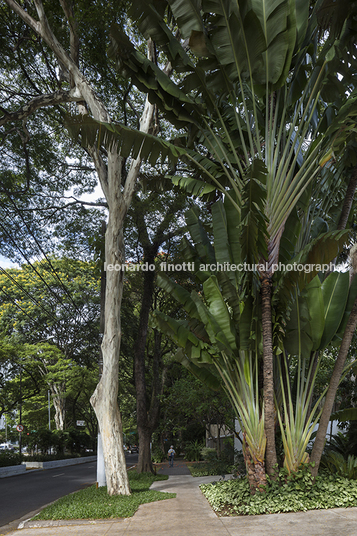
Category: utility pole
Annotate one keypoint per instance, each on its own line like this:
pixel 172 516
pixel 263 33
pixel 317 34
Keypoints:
pixel 20 432
pixel 49 409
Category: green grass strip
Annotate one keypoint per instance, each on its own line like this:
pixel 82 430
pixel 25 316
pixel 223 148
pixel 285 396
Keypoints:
pixel 92 503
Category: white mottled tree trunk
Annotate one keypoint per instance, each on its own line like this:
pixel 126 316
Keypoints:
pixel 59 405
pixel 105 397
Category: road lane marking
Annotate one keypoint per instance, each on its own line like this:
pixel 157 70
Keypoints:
pixel 54 476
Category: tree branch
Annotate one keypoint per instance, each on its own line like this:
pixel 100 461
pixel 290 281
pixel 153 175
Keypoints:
pixel 74 40
pixel 145 124
pixel 40 102
pixel 34 24
pixel 43 29
pixel 100 168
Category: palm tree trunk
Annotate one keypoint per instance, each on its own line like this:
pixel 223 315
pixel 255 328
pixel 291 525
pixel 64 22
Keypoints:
pixel 255 470
pixel 347 204
pixel 331 393
pixel 269 409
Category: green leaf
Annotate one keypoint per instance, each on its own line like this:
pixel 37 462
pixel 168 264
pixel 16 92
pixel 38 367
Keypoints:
pixel 128 142
pixel 298 340
pixel 220 313
pixel 200 237
pixel 247 374
pixel 335 291
pixel 204 374
pixel 233 228
pixel 344 415
pixel 188 15
pixel 315 303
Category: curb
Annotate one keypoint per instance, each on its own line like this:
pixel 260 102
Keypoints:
pixel 59 463
pixel 27 523
pixel 12 470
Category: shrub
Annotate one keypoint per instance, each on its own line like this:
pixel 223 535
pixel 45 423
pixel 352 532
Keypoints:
pixel 58 441
pixel 345 443
pixel 7 458
pixel 157 456
pixel 219 466
pixel 77 440
pixel 193 451
pixel 208 453
pixel 336 463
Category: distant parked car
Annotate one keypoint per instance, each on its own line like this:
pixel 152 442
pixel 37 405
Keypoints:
pixel 6 446
pixel 133 448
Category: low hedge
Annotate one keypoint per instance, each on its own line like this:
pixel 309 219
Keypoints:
pixel 8 457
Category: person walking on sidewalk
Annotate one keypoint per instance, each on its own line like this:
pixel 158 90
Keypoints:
pixel 171 454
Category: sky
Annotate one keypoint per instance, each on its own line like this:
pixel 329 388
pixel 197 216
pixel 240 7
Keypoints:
pixel 6 263
pixel 98 193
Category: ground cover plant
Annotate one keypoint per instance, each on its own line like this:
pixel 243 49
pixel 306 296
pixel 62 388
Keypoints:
pixel 92 503
pixel 286 494
pixel 205 469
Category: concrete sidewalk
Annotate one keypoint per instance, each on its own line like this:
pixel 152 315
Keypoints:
pixel 190 515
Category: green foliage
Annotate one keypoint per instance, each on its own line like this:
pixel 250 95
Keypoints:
pixel 77 440
pixel 223 465
pixel 157 456
pixel 41 439
pixel 193 450
pixel 52 457
pixel 299 418
pixel 190 407
pixel 336 463
pixel 201 469
pixel 7 458
pixel 286 494
pixel 92 503
pixel 213 466
pixel 71 440
pixel 207 453
pixel 345 443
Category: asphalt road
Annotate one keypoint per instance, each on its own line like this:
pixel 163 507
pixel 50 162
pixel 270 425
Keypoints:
pixel 22 494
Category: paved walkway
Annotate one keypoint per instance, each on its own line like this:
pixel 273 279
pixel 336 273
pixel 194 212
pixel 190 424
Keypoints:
pixel 189 514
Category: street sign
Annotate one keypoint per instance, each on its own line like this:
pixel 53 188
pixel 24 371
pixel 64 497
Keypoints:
pixel 81 423
pixel 19 428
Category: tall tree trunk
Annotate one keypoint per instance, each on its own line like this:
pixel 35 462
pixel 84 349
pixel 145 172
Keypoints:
pixel 148 411
pixel 331 393
pixel 144 463
pixel 269 409
pixel 105 397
